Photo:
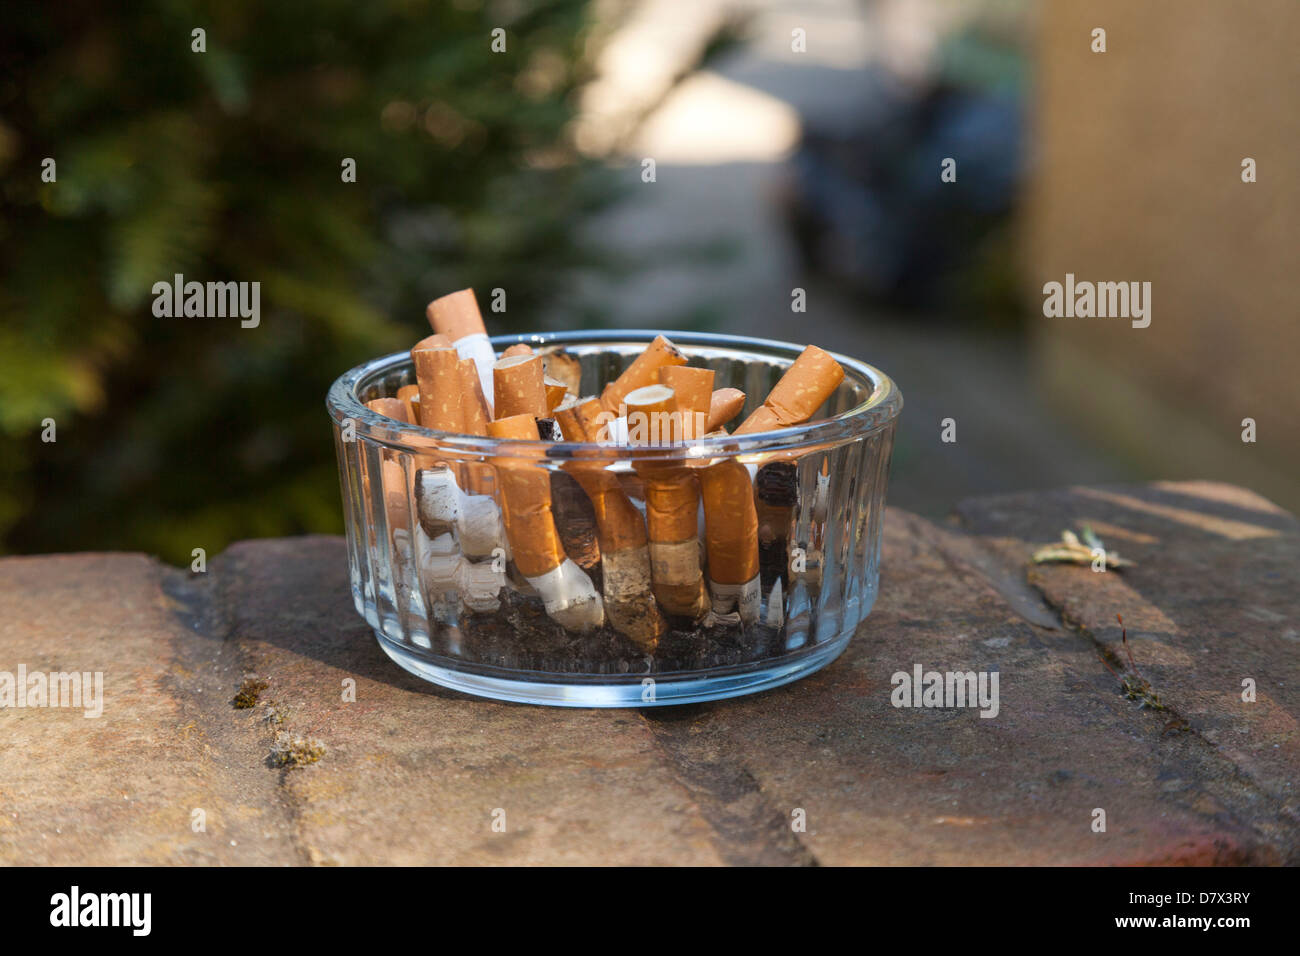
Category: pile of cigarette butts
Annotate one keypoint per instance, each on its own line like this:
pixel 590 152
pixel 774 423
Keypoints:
pixel 596 546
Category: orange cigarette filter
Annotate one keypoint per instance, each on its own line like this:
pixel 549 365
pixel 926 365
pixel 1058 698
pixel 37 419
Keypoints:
pixel 393 408
pixel 803 388
pixel 455 315
pixel 567 416
pixel 410 394
pixel 643 371
pixel 392 476
pixel 396 494
pixel 555 393
pixel 693 388
pixel 474 421
pixel 724 405
pixel 435 341
pixel 438 374
pixel 473 404
pixel 619 522
pixel 626 578
pixel 526 501
pixel 731 522
pixel 519 387
pixel 594 419
pixel 563 367
pixel 519 348
pixel 653 416
pixel 672 500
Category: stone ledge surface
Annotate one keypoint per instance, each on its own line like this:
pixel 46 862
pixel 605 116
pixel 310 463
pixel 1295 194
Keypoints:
pixel 417 774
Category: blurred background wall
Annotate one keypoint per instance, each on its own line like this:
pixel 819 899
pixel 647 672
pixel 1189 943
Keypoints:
pixel 1139 176
pixel 797 147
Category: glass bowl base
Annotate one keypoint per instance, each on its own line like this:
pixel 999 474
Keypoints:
pixel 650 690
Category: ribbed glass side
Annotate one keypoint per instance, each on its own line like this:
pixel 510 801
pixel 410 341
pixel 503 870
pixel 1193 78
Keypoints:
pixel 449 595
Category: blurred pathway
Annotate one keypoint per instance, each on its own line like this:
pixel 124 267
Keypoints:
pixel 713 251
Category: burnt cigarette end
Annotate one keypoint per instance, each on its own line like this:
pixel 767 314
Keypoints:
pixel 575 520
pixel 549 429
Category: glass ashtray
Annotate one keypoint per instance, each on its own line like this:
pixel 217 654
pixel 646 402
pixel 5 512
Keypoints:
pixel 433 573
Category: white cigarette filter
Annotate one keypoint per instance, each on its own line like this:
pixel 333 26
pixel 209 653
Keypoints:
pixel 481 584
pixel 444 508
pixel 448 577
pixel 736 602
pixel 569 597
pixel 457 316
pixel 439 560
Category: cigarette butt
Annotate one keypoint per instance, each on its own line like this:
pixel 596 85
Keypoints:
pixel 393 408
pixel 803 388
pixel 693 388
pixel 625 557
pixel 448 577
pixel 457 316
pixel 549 429
pixel 629 596
pixel 724 405
pixel 520 427
pixel 731 539
pixel 392 476
pixel 441 395
pixel 435 341
pixel 519 348
pixel 556 391
pixel 519 387
pixel 566 416
pixel 443 508
pixel 730 527
pixel 632 486
pixel 439 561
pixel 582 419
pixel 672 500
pixel 473 403
pixel 397 500
pixel 563 367
pixel 526 501
pixel 479 477
pixel 575 520
pixel 566 591
pixel 595 420
pixel 643 371
pixel 410 394
pixel 653 416
pixel 776 494
pixel 480 585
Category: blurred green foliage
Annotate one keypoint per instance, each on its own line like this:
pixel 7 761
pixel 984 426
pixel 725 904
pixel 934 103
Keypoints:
pixel 177 433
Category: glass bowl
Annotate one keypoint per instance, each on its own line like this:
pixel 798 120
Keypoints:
pixel 448 603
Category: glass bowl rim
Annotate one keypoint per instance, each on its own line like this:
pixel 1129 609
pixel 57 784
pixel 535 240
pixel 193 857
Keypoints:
pixel 880 409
